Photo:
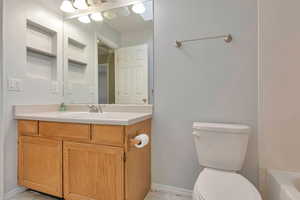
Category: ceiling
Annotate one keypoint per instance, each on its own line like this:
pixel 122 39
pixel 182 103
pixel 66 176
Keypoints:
pixel 98 2
pixel 124 20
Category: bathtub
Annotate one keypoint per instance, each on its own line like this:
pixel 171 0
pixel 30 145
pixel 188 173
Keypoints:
pixel 283 185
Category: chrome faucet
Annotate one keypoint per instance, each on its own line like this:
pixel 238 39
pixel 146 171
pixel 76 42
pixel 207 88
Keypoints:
pixel 95 108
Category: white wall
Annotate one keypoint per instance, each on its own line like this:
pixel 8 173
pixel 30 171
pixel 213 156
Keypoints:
pixel 279 89
pixel 14 58
pixel 1 105
pixel 136 38
pixel 204 81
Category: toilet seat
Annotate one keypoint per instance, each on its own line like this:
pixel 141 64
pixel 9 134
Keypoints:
pixel 220 185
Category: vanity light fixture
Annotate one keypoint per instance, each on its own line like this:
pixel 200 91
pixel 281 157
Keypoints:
pixel 109 15
pixel 97 17
pixel 139 8
pixel 81 4
pixel 67 6
pixel 84 19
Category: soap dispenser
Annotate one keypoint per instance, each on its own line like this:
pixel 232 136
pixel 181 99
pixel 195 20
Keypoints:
pixel 62 107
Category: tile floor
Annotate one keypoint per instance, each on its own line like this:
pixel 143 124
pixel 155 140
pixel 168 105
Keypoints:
pixel 31 195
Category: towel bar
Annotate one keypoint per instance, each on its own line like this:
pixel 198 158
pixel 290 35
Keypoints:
pixel 227 39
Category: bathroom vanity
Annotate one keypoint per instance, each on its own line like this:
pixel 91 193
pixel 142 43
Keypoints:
pixel 81 156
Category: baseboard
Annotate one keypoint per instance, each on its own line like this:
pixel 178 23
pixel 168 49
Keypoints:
pixel 14 192
pixel 171 189
pixel 155 187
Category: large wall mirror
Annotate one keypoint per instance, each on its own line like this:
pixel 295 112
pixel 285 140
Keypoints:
pixel 108 53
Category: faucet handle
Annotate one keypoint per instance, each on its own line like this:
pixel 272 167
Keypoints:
pixel 93 108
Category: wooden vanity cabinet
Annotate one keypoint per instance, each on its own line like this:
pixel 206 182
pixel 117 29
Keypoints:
pixel 97 162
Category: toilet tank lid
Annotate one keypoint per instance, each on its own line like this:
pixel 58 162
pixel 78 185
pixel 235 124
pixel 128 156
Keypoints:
pixel 221 127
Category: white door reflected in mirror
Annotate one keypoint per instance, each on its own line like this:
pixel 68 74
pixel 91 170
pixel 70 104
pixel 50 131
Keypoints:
pixel 132 75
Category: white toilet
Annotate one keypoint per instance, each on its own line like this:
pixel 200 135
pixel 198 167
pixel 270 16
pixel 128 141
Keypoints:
pixel 221 150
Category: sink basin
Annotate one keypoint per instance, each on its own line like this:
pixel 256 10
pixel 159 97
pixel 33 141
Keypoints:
pixel 84 115
pixel 113 118
pixel 106 115
pixel 76 113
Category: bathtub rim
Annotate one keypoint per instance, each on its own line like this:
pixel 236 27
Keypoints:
pixel 286 182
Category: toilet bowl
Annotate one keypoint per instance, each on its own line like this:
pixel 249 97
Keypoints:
pixel 221 150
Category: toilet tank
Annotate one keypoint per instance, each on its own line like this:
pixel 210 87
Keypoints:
pixel 221 146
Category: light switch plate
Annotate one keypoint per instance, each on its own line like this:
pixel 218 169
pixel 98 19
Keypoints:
pixel 14 84
pixel 19 85
pixel 11 85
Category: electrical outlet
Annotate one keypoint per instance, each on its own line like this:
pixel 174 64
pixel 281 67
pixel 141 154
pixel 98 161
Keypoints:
pixel 91 90
pixel 54 87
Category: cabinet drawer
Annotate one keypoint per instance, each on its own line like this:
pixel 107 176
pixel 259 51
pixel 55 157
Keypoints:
pixel 108 135
pixel 67 131
pixel 28 128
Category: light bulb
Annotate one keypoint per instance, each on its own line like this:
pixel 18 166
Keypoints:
pixel 84 19
pixel 67 6
pixel 81 4
pixel 97 17
pixel 138 8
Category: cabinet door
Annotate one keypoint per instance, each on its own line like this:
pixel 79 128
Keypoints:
pixel 93 172
pixel 40 165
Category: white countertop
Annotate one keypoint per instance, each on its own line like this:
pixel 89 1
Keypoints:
pixel 109 118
